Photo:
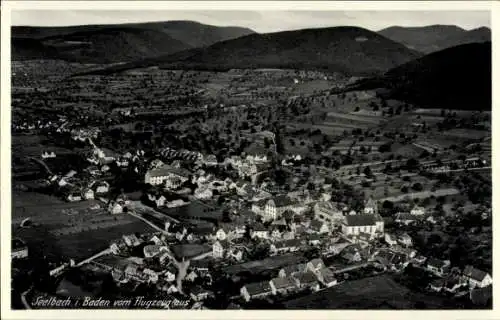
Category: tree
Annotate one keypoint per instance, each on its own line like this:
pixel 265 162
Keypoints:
pixel 417 186
pixel 412 164
pixel 367 171
pixel 386 147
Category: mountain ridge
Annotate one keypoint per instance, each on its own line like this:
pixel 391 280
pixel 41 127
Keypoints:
pixel 432 38
pixel 117 42
pixel 343 49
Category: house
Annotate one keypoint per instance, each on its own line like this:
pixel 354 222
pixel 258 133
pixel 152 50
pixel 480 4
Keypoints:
pixel 336 248
pixel 191 276
pixel 115 208
pixel 131 240
pixel 390 239
pixel 156 240
pixel 282 285
pixel 314 239
pixel 169 275
pixel 326 277
pixel 315 265
pixel 256 290
pixel 477 278
pixel 219 248
pixel 351 254
pixel 370 207
pixel 259 231
pixel 88 194
pixel 210 160
pixel 353 225
pixel 259 206
pixel 151 275
pixel 236 253
pixel 132 270
pixel 417 211
pixel 292 269
pixel 101 187
pixel 307 280
pixel 318 226
pixel 276 206
pixel 419 259
pixel 405 239
pixel 74 196
pixel 47 155
pixel 19 249
pixel 275 234
pixel 436 266
pixel 328 212
pixel 172 289
pixel 285 246
pixel 405 218
pixel 437 285
pixel 199 294
pixel 151 251
pixel 171 176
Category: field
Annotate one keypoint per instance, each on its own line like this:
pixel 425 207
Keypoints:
pixel 368 293
pixel 78 245
pixel 266 264
pixel 466 134
pixel 423 195
pixel 69 229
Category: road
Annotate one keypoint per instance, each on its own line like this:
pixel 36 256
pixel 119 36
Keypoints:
pixel 182 265
pixel 42 163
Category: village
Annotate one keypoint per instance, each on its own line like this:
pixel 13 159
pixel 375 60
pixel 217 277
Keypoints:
pixel 232 203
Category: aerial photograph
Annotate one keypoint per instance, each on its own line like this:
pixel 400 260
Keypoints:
pixel 251 160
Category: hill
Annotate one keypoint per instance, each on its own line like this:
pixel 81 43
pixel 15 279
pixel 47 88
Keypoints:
pixel 434 38
pixel 352 50
pixel 482 34
pixel 116 43
pixel 454 78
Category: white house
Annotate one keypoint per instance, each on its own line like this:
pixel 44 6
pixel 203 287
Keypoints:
pixel 259 231
pixel 315 265
pixel 256 290
pixel 477 278
pixel 73 197
pixel 405 240
pixel 102 187
pixel 362 223
pixel 203 193
pixel 282 285
pixel 436 266
pixel 219 249
pixel 276 206
pixel 115 208
pixel 390 239
pixel 171 176
pixel 88 194
pixel 417 211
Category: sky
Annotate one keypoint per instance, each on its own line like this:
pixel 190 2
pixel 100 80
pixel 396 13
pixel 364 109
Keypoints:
pixel 259 21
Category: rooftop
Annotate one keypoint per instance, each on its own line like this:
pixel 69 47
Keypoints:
pixel 360 220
